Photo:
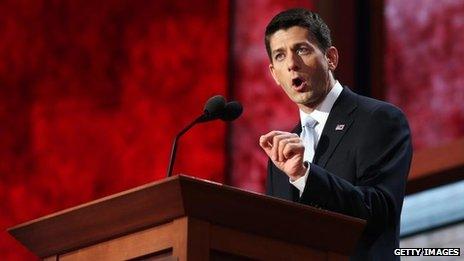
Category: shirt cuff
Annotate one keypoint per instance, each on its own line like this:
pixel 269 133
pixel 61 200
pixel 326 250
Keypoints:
pixel 300 183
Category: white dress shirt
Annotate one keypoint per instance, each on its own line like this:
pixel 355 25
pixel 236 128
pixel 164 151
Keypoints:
pixel 320 114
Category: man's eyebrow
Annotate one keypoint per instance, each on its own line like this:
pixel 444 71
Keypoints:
pixel 278 50
pixel 296 45
pixel 301 44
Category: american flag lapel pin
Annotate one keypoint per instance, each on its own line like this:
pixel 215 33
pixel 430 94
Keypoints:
pixel 340 127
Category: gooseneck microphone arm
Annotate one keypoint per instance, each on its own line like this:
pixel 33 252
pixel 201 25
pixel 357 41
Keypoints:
pixel 172 158
pixel 215 108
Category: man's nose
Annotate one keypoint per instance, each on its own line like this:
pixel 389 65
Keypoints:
pixel 293 62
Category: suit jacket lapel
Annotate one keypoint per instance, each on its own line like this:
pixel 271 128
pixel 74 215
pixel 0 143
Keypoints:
pixel 338 123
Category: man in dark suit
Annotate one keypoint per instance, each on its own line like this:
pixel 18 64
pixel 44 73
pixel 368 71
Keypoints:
pixel 349 153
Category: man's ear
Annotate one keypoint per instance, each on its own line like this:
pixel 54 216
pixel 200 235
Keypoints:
pixel 332 57
pixel 271 69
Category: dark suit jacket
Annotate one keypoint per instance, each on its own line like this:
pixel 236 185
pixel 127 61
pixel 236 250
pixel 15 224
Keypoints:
pixel 359 171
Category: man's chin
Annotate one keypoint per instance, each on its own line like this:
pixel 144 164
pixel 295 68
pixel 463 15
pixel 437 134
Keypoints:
pixel 303 98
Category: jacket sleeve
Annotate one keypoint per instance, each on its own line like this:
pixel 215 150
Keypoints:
pixel 382 158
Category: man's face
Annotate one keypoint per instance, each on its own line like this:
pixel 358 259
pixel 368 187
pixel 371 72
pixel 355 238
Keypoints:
pixel 300 67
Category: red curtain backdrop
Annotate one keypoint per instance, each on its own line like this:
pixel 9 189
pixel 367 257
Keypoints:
pixel 92 93
pixel 266 105
pixel 425 67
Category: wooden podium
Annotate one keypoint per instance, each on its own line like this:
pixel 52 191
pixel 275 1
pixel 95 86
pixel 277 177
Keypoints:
pixel 184 218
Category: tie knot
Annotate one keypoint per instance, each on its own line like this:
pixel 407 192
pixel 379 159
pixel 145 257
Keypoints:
pixel 309 122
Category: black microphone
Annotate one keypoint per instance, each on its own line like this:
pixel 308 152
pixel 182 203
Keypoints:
pixel 232 111
pixel 215 108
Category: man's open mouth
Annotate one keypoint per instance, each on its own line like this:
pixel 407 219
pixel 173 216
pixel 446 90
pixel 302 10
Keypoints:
pixel 298 83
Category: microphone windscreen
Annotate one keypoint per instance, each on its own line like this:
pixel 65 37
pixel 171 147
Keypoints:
pixel 232 111
pixel 214 105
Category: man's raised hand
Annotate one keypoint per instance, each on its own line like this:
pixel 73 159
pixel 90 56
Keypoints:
pixel 286 151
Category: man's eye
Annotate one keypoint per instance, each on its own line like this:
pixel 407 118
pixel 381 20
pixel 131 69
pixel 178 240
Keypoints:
pixel 302 51
pixel 279 57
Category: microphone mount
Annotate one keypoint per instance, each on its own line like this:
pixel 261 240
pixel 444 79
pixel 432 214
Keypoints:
pixel 215 108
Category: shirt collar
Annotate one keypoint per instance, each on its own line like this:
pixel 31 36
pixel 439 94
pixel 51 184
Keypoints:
pixel 321 113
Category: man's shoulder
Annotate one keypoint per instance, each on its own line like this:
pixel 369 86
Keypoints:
pixel 367 105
